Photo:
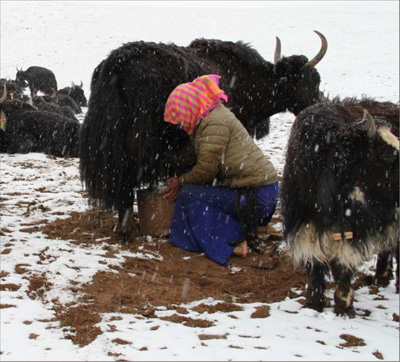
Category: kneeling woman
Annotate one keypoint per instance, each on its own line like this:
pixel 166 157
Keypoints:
pixel 232 188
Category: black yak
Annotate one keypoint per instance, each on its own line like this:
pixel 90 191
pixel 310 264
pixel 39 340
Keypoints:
pixel 339 197
pixel 45 103
pixel 13 90
pixel 125 144
pixel 38 79
pixel 389 112
pixel 24 129
pixel 66 100
pixel 76 93
pixel 62 100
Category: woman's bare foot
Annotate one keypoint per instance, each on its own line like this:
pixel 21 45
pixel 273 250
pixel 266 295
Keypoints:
pixel 242 249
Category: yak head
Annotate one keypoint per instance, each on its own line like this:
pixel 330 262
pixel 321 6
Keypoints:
pixel 78 95
pixel 20 78
pixel 383 158
pixel 13 90
pixel 375 152
pixel 8 106
pixel 297 80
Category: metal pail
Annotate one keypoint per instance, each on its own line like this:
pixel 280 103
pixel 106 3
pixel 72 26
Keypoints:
pixel 155 212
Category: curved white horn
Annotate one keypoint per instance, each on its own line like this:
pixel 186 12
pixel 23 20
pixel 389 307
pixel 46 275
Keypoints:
pixel 324 47
pixel 278 49
pixel 4 96
pixel 370 123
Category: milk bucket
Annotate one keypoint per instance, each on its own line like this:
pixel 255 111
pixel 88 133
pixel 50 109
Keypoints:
pixel 155 212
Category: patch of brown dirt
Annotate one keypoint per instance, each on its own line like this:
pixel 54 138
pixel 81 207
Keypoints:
pixel 4 274
pixel 261 312
pixel 220 307
pixel 9 287
pixel 204 337
pixel 38 286
pixel 188 322
pixel 120 341
pixel 19 268
pixel 378 355
pixel 351 341
pixel 168 279
pixel 83 319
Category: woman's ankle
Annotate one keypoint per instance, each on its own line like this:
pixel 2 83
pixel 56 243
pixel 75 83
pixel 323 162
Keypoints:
pixel 242 249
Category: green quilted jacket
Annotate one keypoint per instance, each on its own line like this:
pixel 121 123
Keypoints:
pixel 227 155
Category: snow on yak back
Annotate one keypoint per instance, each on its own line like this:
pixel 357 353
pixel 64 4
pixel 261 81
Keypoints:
pixel 125 143
pixel 25 129
pixel 339 195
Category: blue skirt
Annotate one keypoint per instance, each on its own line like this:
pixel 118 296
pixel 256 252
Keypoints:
pixel 206 218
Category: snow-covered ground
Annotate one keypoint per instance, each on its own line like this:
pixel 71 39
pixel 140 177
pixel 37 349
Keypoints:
pixel 71 38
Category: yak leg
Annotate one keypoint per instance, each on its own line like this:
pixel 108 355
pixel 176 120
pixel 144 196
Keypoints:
pixel 316 286
pixel 344 293
pixel 122 227
pixel 125 210
pixel 397 268
pixel 384 269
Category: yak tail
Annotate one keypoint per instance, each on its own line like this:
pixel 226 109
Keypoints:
pixel 108 150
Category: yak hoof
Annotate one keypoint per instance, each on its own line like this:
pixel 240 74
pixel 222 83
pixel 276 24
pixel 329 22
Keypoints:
pixel 382 281
pixel 125 234
pixel 341 311
pixel 318 306
pixel 367 280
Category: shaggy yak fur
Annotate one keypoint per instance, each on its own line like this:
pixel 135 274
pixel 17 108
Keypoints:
pixel 390 113
pixel 386 110
pixel 65 100
pixel 126 144
pixel 13 90
pixel 29 130
pixel 340 196
pixel 38 79
pixel 44 103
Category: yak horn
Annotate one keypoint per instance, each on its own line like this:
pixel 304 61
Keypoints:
pixel 324 47
pixel 4 96
pixel 278 49
pixel 81 85
pixel 370 124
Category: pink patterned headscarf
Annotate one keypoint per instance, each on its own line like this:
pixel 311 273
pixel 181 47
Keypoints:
pixel 189 102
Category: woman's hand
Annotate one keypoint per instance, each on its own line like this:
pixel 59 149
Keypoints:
pixel 172 190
